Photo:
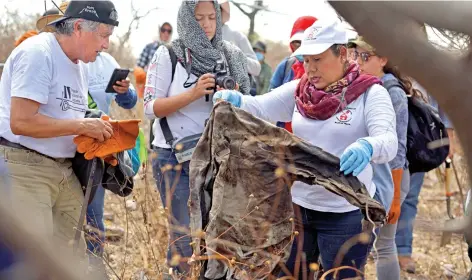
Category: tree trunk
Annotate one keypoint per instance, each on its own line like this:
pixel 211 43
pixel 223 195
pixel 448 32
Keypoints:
pixel 252 22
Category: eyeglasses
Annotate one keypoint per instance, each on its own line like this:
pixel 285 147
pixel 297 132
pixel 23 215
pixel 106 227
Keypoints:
pixel 165 30
pixel 365 56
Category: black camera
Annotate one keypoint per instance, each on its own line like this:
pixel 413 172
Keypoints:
pixel 222 78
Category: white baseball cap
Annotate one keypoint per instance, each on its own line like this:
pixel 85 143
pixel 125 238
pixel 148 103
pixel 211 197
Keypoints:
pixel 321 36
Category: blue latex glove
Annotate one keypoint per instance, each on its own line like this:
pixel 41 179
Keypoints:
pixel 356 157
pixel 232 96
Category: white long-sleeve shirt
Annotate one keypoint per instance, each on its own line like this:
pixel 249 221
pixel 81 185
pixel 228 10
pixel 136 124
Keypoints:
pixel 242 42
pixel 371 118
pixel 189 120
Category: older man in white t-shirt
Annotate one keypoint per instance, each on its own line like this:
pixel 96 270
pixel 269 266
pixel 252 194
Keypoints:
pixel 43 98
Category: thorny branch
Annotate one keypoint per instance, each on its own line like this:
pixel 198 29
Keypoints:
pixel 239 6
pixel 134 24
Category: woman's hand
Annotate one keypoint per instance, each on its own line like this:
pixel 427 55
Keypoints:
pixel 205 85
pixel 122 86
pixel 356 157
pixel 232 96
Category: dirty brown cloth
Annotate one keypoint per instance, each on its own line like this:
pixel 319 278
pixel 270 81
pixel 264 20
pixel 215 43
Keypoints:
pixel 241 213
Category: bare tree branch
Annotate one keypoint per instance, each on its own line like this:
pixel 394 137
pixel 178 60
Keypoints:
pixel 258 6
pixel 239 6
pixel 133 25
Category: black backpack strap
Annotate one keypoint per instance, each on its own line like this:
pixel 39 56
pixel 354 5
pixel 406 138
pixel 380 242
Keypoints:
pixel 166 131
pixel 163 122
pixel 173 59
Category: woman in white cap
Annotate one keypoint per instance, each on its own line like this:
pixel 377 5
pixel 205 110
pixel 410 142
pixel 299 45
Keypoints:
pixel 344 112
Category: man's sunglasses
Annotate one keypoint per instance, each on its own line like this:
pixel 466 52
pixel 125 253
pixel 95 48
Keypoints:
pixel 365 56
pixel 165 30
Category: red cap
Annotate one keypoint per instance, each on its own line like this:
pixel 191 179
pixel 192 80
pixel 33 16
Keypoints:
pixel 300 25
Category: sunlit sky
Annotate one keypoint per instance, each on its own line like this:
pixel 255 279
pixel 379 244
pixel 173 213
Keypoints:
pixel 275 25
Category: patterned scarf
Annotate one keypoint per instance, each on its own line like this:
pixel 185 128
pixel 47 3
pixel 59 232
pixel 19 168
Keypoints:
pixel 204 52
pixel 319 104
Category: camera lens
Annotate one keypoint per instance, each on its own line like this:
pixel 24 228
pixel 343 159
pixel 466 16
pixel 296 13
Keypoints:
pixel 229 83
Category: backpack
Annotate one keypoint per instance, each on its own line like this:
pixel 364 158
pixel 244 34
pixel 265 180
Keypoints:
pixel 426 135
pixel 288 65
pixel 173 60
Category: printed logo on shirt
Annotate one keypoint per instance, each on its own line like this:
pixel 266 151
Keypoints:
pixel 72 99
pixel 152 66
pixel 148 95
pixel 345 116
pixel 90 10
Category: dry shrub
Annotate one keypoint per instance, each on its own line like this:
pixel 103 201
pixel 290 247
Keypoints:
pixel 122 54
pixel 12 25
pixel 276 52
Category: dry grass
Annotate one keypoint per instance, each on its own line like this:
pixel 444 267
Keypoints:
pixel 142 252
pixel 145 246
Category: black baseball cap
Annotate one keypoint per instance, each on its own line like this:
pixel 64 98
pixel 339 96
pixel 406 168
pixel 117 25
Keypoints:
pixel 99 11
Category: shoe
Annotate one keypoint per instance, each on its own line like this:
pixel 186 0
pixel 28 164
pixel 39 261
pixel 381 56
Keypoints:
pixel 407 264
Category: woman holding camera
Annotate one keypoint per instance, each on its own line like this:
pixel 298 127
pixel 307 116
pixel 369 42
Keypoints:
pixel 181 102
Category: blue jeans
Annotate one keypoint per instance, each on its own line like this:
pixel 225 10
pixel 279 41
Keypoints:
pixel 323 233
pixel 404 235
pixel 95 209
pixel 174 189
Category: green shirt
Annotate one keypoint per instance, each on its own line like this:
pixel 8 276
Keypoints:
pixel 263 80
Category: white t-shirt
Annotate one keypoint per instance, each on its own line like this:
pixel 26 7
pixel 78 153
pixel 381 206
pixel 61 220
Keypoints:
pixel 187 121
pixel 39 70
pixel 100 72
pixel 374 122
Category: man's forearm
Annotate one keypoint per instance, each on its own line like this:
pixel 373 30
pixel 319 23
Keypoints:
pixel 41 126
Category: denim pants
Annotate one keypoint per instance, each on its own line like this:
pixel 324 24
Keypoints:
pixel 404 235
pixel 323 233
pixel 173 186
pixel 95 210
